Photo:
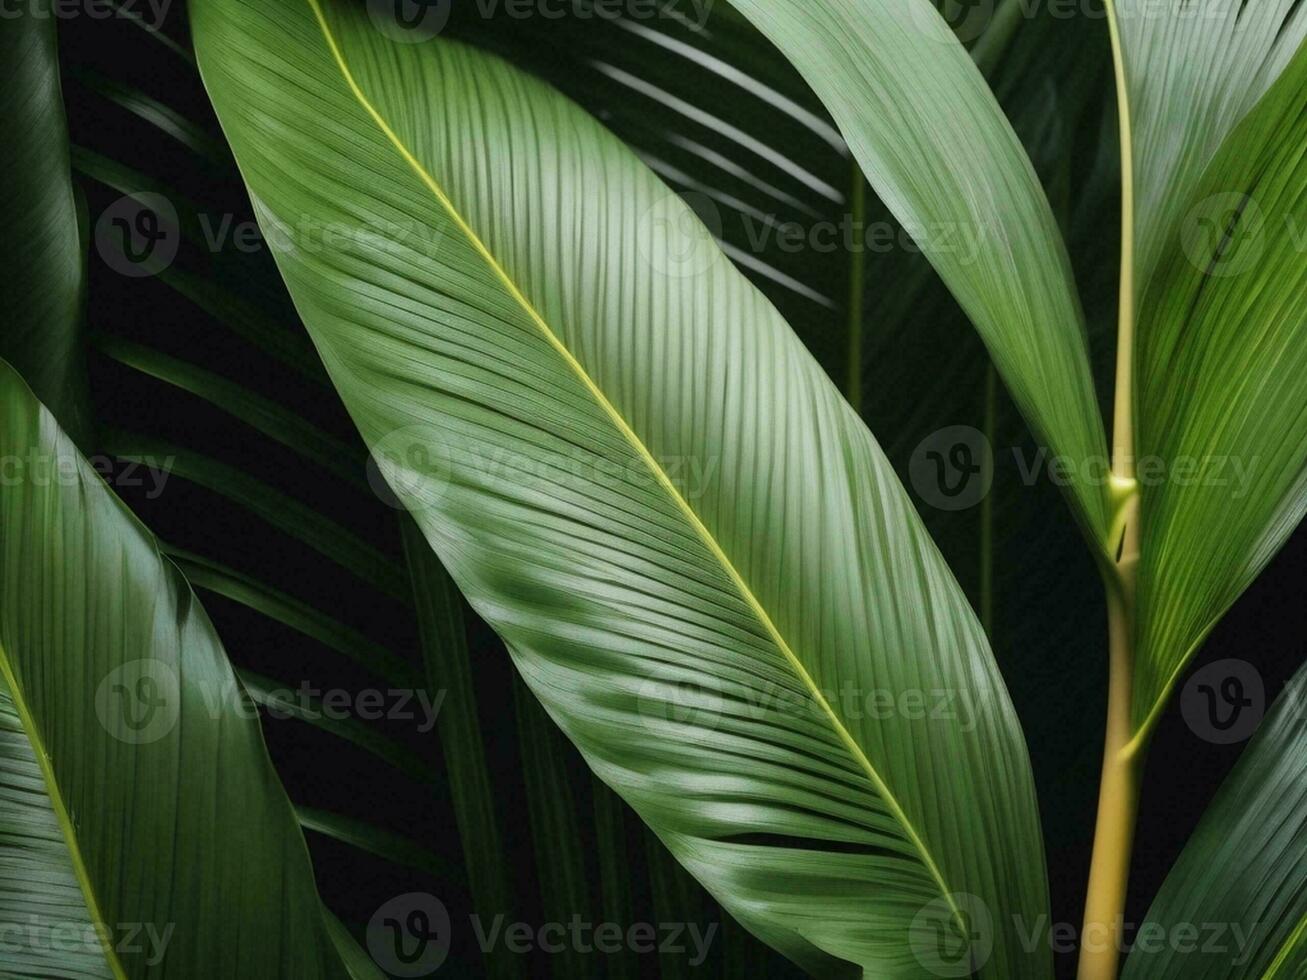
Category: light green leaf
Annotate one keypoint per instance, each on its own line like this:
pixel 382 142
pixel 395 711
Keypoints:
pixel 701 561
pixel 140 743
pixel 1222 389
pixel 936 147
pixel 41 251
pixel 1193 70
pixel 1244 871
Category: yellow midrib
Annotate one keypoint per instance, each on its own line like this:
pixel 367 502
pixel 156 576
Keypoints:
pixel 638 444
pixel 60 811
pixel 1287 950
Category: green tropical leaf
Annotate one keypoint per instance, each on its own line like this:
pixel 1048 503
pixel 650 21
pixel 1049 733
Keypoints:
pixel 1192 72
pixel 1222 389
pixel 132 764
pixel 530 365
pixel 1240 884
pixel 42 254
pixel 889 72
pixel 39 885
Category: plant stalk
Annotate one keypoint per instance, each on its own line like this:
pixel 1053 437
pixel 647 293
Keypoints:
pixel 1101 938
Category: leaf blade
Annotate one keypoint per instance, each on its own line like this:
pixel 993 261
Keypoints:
pixel 887 72
pixel 1221 361
pixel 1245 866
pixel 144 805
pixel 460 313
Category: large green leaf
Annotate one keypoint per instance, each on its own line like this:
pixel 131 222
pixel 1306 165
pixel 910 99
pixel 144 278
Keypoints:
pixel 132 766
pixel 1222 388
pixel 935 145
pixel 721 116
pixel 1240 884
pixel 40 252
pixel 1193 70
pixel 531 358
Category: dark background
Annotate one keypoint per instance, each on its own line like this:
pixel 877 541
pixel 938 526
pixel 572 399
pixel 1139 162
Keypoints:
pixel 1058 687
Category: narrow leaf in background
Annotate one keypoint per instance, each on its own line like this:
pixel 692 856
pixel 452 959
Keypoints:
pixel 890 72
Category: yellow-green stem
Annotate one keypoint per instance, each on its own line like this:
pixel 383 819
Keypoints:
pixel 1101 937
